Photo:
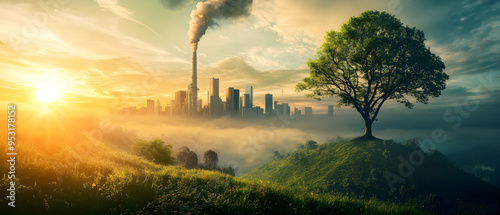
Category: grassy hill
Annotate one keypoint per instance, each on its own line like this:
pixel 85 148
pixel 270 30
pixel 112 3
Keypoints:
pixel 91 178
pixel 361 168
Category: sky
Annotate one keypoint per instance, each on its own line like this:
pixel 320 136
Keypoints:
pixel 106 54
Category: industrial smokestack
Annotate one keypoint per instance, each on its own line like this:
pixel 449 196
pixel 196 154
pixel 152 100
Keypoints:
pixel 194 87
pixel 209 12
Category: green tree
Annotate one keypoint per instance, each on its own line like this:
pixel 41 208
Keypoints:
pixel 210 158
pixel 187 158
pixel 155 150
pixel 311 144
pixel 372 59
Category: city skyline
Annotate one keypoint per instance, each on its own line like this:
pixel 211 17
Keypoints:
pixel 240 105
pixel 119 59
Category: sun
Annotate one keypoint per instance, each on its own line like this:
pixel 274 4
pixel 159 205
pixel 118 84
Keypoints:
pixel 48 95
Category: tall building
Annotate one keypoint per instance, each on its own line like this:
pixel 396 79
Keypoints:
pixel 330 110
pixel 282 109
pixel 269 104
pixel 236 101
pixel 200 105
pixel 216 107
pixel 249 91
pixel 296 111
pixel 179 102
pixel 260 111
pixel 230 100
pixel 158 109
pixel 286 108
pixel 308 112
pixel 214 87
pixel 150 108
pixel 246 101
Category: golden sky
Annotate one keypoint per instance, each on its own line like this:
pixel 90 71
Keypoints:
pixel 109 54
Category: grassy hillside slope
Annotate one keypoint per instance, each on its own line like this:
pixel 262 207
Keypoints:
pixel 360 167
pixel 91 178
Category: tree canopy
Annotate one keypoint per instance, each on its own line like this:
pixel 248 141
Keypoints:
pixel 372 59
pixel 210 158
pixel 187 158
pixel 155 150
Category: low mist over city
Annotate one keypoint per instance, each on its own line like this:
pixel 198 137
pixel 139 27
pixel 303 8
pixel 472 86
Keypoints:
pixel 249 107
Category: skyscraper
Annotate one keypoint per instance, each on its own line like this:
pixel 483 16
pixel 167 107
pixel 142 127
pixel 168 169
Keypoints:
pixel 230 100
pixel 249 91
pixel 180 99
pixel 150 107
pixel 281 109
pixel 236 101
pixel 158 109
pixel 246 101
pixel 269 104
pixel 330 110
pixel 286 109
pixel 214 87
pixel 308 112
pixel 296 111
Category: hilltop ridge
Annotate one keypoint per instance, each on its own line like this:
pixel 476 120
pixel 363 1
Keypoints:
pixel 382 169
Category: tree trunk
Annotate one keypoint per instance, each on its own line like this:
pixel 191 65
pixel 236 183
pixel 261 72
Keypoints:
pixel 368 129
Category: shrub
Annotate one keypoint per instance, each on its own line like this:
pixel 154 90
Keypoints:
pixel 311 144
pixel 155 150
pixel 187 158
pixel 210 158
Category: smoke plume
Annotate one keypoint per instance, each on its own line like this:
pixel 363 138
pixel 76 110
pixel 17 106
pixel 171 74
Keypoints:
pixel 208 13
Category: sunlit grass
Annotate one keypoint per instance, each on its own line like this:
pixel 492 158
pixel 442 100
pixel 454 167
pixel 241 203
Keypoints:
pixel 95 179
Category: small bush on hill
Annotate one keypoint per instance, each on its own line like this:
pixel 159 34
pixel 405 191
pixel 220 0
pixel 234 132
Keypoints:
pixel 155 150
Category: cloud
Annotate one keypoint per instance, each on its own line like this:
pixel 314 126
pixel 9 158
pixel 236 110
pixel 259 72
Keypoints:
pixel 466 33
pixel 237 72
pixel 307 22
pixel 175 4
pixel 122 12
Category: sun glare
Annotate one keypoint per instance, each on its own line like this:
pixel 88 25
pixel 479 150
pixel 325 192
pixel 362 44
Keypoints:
pixel 48 95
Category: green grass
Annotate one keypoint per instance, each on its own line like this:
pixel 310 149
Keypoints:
pixel 357 168
pixel 94 179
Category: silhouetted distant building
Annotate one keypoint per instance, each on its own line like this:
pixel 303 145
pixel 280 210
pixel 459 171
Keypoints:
pixel 330 110
pixel 229 101
pixel 236 101
pixel 158 109
pixel 269 104
pixel 214 87
pixel 180 100
pixel 308 112
pixel 249 91
pixel 216 107
pixel 260 111
pixel 296 112
pixel 150 107
pixel 282 109
pixel 246 101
